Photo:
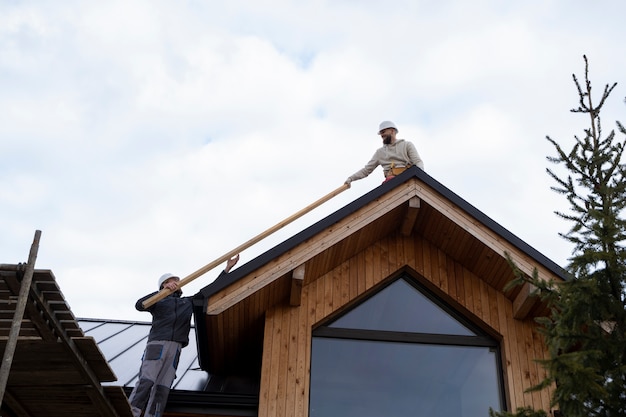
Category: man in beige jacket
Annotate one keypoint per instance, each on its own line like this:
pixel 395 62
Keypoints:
pixel 394 156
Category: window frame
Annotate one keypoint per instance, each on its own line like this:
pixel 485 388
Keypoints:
pixel 482 338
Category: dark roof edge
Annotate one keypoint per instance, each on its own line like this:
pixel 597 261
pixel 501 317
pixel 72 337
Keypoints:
pixel 333 218
pixel 95 320
pixel 216 403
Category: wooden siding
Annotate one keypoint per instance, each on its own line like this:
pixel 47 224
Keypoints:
pixel 287 334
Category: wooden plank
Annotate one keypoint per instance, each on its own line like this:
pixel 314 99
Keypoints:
pixel 32 315
pixel 319 300
pixel 409 251
pixel 505 345
pixel 385 257
pixel 336 281
pixel 430 265
pixel 283 316
pixel 328 307
pixel 452 278
pixel 515 358
pixel 525 362
pixel 344 270
pixel 301 363
pixel 484 298
pixel 220 330
pixel 91 352
pixel 541 352
pixel 267 355
pixel 442 270
pixel 14 404
pixel 352 279
pixel 292 360
pixel 274 364
pixel 533 366
pixel 460 283
pixel 426 260
pixel 494 315
pixel 469 293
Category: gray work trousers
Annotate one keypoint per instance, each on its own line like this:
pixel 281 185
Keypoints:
pixel 158 371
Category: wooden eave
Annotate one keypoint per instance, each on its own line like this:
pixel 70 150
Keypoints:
pixel 55 370
pixel 230 318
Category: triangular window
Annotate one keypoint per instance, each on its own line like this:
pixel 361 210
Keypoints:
pixel 400 307
pixel 402 352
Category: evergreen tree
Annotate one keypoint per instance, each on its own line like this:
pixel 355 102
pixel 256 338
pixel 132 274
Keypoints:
pixel 586 330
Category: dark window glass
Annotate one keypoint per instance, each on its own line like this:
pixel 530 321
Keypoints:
pixel 368 363
pixel 400 307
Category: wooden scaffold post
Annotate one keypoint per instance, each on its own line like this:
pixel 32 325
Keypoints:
pixel 9 350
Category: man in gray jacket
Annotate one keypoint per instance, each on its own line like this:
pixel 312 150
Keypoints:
pixel 169 333
pixel 394 156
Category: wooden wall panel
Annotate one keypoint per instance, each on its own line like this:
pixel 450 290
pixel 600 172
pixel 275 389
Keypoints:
pixel 287 342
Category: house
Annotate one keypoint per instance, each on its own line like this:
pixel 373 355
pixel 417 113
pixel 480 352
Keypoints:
pixel 194 392
pixel 392 304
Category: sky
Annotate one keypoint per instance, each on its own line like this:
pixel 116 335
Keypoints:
pixel 144 137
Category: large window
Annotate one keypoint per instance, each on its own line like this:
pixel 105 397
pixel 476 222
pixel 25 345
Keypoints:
pixel 401 353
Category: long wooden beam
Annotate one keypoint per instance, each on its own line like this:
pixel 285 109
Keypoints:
pixel 301 254
pixel 165 292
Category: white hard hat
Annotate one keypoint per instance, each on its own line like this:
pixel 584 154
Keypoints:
pixel 386 125
pixel 165 277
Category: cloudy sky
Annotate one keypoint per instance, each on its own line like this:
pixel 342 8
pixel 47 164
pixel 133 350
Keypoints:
pixel 144 137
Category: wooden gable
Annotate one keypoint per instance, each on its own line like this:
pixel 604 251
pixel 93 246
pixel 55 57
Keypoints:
pixel 258 321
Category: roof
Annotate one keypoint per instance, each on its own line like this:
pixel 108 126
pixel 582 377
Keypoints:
pixel 193 391
pixel 122 343
pixel 229 320
pixel 55 370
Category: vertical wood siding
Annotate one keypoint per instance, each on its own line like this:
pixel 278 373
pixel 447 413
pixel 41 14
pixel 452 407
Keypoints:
pixel 287 343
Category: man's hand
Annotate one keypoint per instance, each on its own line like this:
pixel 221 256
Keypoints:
pixel 171 285
pixel 231 262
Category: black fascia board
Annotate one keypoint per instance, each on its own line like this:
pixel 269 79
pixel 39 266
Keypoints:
pixel 202 403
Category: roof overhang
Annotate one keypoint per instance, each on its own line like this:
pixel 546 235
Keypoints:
pixel 230 311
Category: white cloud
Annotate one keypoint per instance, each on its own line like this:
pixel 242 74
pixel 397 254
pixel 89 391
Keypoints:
pixel 147 137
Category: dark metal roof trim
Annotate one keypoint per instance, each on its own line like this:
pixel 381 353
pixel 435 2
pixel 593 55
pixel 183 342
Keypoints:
pixel 333 218
pixel 197 402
